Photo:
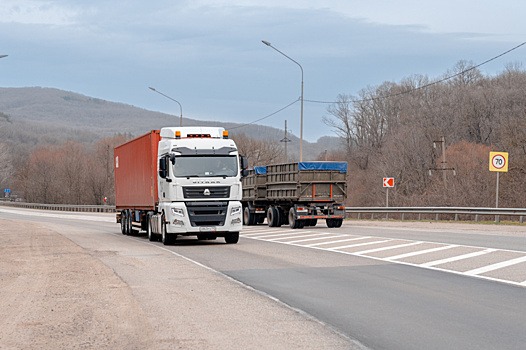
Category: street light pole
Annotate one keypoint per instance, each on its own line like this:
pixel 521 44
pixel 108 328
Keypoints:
pixel 301 98
pixel 168 97
pixel 2 56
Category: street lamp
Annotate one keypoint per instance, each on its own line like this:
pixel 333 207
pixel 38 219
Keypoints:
pixel 301 98
pixel 2 56
pixel 168 97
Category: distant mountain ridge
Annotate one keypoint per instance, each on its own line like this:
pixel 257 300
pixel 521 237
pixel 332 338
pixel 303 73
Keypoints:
pixel 56 113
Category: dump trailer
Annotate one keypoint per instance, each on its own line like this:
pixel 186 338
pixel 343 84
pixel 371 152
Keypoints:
pixel 297 194
pixel 180 181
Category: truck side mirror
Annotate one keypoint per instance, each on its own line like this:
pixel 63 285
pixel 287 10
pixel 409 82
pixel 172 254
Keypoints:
pixel 244 166
pixel 162 168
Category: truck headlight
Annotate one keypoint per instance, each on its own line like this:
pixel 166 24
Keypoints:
pixel 178 211
pixel 236 210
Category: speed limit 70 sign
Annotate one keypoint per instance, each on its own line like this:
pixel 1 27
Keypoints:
pixel 498 161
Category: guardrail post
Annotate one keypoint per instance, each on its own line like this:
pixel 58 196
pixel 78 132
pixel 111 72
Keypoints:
pixel 456 216
pixel 497 219
pixel 436 217
pixel 521 219
pixel 476 217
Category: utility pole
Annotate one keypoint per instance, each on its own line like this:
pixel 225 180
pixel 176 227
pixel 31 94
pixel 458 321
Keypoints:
pixel 443 165
pixel 286 140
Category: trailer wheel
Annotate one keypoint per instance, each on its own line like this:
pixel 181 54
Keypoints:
pixel 249 218
pixel 128 228
pixel 293 223
pixel 330 223
pixel 311 222
pixel 273 218
pixel 123 222
pixel 338 222
pixel 232 237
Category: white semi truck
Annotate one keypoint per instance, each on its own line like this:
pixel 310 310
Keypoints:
pixel 180 181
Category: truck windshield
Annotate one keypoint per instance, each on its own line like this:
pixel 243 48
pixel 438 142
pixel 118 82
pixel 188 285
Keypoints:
pixel 205 166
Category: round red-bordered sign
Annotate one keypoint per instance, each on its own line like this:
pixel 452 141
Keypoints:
pixel 498 161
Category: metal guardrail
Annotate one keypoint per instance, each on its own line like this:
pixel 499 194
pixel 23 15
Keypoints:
pixel 437 213
pixel 401 213
pixel 62 207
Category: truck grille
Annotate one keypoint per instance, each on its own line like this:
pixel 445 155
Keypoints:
pixel 206 192
pixel 207 213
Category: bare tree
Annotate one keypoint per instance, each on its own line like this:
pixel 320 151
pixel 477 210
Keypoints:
pixel 259 152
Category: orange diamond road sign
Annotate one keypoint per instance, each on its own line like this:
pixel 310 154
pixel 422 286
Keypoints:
pixel 388 181
pixel 498 161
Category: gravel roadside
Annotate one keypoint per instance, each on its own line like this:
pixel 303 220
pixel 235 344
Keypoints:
pixel 66 288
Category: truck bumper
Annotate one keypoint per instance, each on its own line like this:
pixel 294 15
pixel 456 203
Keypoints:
pixel 194 218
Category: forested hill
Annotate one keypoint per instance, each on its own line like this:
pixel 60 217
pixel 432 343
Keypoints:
pixel 36 115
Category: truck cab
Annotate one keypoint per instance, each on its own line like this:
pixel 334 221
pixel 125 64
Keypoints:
pixel 199 184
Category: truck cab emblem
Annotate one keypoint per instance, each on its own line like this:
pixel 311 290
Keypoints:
pixel 206 192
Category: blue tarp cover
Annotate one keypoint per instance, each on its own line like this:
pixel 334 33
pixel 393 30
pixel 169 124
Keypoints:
pixel 335 166
pixel 260 170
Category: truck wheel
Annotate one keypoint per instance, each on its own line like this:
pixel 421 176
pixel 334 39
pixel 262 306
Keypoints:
pixel 330 223
pixel 166 238
pixel 273 218
pixel 338 222
pixel 293 223
pixel 311 222
pixel 249 218
pixel 151 236
pixel 123 222
pixel 232 237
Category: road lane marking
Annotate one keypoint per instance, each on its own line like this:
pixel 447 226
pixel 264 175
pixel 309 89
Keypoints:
pixel 360 244
pixel 458 257
pixel 325 236
pixel 387 248
pixel 339 241
pixel 431 265
pixel 420 252
pixel 289 233
pixel 496 266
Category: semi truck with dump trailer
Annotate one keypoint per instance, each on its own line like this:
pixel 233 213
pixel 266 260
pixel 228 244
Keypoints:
pixel 297 194
pixel 180 181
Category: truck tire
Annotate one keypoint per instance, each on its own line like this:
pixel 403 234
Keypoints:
pixel 293 223
pixel 338 222
pixel 249 218
pixel 128 223
pixel 311 222
pixel 149 232
pixel 273 218
pixel 166 238
pixel 330 223
pixel 123 222
pixel 232 237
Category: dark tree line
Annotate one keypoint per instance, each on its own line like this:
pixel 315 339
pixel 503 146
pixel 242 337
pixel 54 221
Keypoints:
pixel 391 130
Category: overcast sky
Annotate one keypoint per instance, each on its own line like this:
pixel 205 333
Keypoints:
pixel 208 54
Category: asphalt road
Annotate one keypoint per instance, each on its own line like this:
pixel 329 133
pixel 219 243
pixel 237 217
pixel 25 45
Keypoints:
pixel 382 285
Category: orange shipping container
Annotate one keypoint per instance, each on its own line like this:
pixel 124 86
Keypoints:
pixel 135 164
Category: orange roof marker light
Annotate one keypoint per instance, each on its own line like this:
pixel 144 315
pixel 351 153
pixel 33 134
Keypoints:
pixel 177 134
pixel 225 134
